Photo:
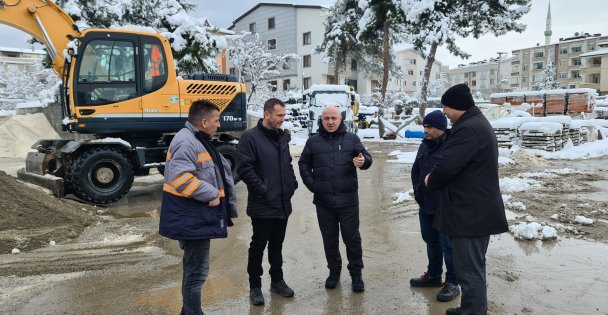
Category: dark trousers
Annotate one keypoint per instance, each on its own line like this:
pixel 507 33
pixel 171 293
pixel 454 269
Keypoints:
pixel 438 250
pixel 470 268
pixel 196 267
pixel 332 221
pixel 271 232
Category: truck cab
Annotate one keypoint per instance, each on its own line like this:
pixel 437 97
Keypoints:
pixel 319 96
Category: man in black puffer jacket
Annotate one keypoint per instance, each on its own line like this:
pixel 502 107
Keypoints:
pixel 265 167
pixel 328 166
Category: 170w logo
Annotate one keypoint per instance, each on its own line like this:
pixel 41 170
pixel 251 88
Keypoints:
pixel 231 118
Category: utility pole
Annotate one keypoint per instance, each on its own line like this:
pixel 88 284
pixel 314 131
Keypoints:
pixel 500 54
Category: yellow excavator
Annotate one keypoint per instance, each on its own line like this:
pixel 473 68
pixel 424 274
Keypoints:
pixel 121 87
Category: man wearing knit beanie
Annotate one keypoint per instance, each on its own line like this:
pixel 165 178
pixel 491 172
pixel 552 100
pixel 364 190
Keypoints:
pixel 470 207
pixel 438 246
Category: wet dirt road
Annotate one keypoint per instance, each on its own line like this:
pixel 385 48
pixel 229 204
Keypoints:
pixel 122 266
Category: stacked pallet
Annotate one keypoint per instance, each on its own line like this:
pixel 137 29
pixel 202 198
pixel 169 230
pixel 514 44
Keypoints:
pixel 564 120
pixel 542 135
pixel 506 130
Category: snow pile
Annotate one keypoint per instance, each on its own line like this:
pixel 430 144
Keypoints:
pixel 532 231
pixel 403 157
pixel 20 132
pixel 508 184
pixel 403 196
pixel 505 160
pixel 583 220
pixel 589 150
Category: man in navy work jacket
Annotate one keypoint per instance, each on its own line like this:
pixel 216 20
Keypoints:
pixel 438 246
pixel 328 166
pixel 265 167
pixel 198 198
pixel 471 207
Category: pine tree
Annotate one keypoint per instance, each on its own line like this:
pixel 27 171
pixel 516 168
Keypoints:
pixel 430 24
pixel 547 77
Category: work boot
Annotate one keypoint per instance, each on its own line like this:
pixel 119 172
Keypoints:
pixel 333 279
pixel 358 285
pixel 256 296
pixel 448 292
pixel 425 281
pixel 281 288
pixel 453 311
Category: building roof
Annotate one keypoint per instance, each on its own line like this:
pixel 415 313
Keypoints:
pixel 599 52
pixel 23 50
pixel 297 6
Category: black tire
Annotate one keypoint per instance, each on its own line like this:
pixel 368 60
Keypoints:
pixel 228 151
pixel 100 175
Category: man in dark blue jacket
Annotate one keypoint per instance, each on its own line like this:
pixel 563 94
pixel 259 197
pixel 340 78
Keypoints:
pixel 471 207
pixel 265 167
pixel 438 246
pixel 328 166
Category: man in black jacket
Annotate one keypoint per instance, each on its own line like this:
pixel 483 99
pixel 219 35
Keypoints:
pixel 471 207
pixel 328 166
pixel 265 167
pixel 438 245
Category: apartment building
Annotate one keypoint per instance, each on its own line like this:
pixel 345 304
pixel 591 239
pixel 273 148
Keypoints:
pixel 21 59
pixel 485 77
pixel 594 70
pixel 289 28
pixel 412 65
pixel 574 67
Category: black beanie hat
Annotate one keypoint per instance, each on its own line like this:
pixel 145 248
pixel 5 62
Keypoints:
pixel 436 119
pixel 458 97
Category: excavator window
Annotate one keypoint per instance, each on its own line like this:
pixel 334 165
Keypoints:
pixel 155 65
pixel 107 73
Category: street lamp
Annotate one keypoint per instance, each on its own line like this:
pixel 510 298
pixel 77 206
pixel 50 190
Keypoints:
pixel 500 54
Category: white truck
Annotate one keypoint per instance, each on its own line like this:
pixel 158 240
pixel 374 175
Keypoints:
pixel 319 96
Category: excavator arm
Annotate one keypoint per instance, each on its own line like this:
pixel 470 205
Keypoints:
pixel 45 21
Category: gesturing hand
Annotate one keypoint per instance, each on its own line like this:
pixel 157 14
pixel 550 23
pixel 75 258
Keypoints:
pixel 359 160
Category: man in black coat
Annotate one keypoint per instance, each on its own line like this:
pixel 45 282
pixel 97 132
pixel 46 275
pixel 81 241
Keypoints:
pixel 328 166
pixel 265 167
pixel 471 207
pixel 438 245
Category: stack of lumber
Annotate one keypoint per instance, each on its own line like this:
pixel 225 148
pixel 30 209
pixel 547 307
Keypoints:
pixel 542 135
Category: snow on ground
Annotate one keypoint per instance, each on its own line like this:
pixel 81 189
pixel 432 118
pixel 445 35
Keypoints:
pixel 584 151
pixel 583 220
pixel 533 230
pixel 403 196
pixel 403 157
pixel 508 184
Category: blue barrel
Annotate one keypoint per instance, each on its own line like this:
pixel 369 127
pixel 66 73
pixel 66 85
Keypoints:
pixel 414 134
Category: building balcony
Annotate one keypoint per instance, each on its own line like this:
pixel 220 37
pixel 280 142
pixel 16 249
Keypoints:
pixel 591 68
pixel 595 86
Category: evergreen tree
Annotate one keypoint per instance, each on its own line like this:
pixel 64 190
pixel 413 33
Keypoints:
pixel 547 77
pixel 430 24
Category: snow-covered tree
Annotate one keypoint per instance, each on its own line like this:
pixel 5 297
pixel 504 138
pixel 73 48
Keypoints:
pixel 433 23
pixel 340 43
pixel 26 85
pixel 437 87
pixel 253 63
pixel 547 77
pixel 193 47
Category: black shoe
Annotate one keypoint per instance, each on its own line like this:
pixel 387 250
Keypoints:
pixel 281 288
pixel 448 292
pixel 256 296
pixel 333 279
pixel 358 285
pixel 453 311
pixel 425 281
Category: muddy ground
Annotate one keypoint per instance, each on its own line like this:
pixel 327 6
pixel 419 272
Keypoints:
pixel 117 264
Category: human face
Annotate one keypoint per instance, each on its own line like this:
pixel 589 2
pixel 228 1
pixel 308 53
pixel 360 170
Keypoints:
pixel 210 124
pixel 432 133
pixel 274 120
pixel 453 114
pixel 331 119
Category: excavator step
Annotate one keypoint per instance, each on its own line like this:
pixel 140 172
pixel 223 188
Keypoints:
pixel 53 183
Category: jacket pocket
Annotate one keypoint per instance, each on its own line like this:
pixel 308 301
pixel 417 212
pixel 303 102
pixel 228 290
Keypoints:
pixel 209 215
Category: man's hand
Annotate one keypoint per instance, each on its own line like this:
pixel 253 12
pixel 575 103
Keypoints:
pixel 426 180
pixel 359 160
pixel 214 202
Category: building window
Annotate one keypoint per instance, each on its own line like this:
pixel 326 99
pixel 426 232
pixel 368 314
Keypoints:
pixel 525 56
pixel 539 54
pixel 591 47
pixel 563 75
pixel 515 80
pixel 576 62
pixel 577 49
pixel 420 72
pixel 286 65
pixel 330 79
pixel 252 28
pixel 306 83
pixel 232 71
pixel 438 76
pixel 414 83
pixel 353 64
pixel 286 84
pixel 524 80
pixel 536 78
pixel 410 72
pixel 473 74
pixel 516 57
pixel 515 68
pixel 596 78
pixel 306 61
pixel 572 86
pixel 474 83
pixel 526 67
pixel 575 74
pixel 412 61
pixel 306 38
pixel 561 62
pixel 491 81
pixel 537 66
pixel 271 23
pixel 563 50
pixel 404 83
pixel 466 75
pixel 272 44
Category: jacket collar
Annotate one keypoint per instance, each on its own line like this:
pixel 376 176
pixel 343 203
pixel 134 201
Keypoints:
pixel 191 127
pixel 473 111
pixel 271 133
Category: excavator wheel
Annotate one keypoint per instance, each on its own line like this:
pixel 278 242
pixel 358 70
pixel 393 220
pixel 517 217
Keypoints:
pixel 100 175
pixel 228 151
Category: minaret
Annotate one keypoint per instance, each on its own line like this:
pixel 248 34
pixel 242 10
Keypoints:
pixel 548 31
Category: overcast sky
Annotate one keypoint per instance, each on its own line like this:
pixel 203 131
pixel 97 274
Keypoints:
pixel 568 17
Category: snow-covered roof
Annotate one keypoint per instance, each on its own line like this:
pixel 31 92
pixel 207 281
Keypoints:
pixel 599 52
pixel 327 87
pixel 541 92
pixel 23 50
pixel 274 5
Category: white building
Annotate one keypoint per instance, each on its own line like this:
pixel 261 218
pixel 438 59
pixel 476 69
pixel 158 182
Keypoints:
pixel 21 59
pixel 412 65
pixel 485 77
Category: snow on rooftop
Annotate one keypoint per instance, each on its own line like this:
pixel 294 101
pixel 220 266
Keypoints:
pixel 542 92
pixel 599 52
pixel 23 50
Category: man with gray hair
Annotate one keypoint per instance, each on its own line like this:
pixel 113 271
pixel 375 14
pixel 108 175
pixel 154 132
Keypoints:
pixel 328 166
